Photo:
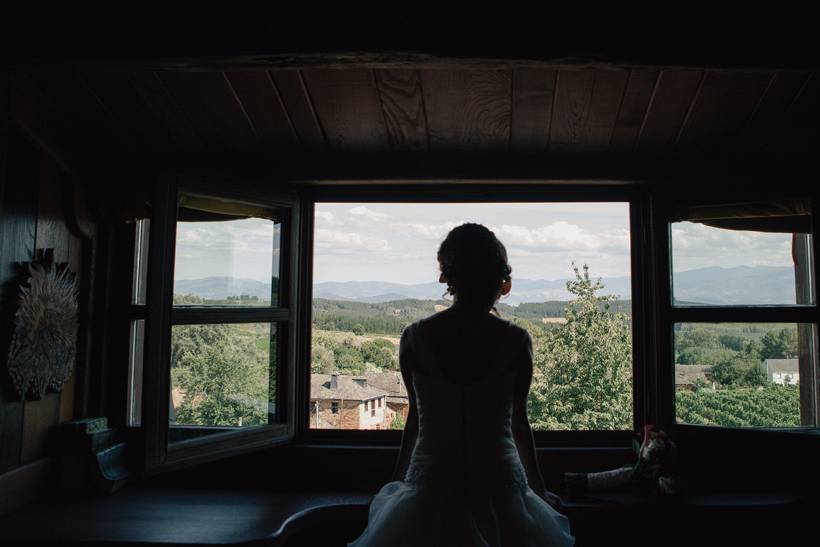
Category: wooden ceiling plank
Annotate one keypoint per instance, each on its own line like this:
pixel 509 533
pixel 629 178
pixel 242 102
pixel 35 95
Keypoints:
pixel 403 106
pixel 211 106
pixel 802 120
pixel 129 109
pixel 468 109
pixel 533 93
pixel 347 104
pixel 725 103
pixel 299 106
pixel 573 93
pixel 607 95
pixel 634 105
pixel 165 108
pixel 264 108
pixel 672 100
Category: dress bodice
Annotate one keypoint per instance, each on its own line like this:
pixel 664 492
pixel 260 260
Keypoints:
pixel 465 438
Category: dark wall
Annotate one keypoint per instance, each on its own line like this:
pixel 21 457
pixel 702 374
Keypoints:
pixel 33 215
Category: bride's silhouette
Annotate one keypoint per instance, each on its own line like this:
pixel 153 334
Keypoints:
pixel 467 473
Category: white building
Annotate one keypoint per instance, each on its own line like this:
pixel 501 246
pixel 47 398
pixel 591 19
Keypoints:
pixel 782 371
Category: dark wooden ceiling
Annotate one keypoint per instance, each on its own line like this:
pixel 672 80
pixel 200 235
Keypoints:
pixel 526 111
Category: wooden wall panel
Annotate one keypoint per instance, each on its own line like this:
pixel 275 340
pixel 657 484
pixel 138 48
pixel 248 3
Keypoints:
pixel 725 103
pixel 163 106
pixel 39 417
pixel 349 109
pixel 18 224
pixel 403 106
pixel 468 110
pixel 265 109
pixel 88 118
pixel 209 102
pixel 298 103
pixel 675 92
pixel 637 96
pixel 533 91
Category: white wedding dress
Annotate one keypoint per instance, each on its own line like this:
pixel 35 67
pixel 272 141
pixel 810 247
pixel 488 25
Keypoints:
pixel 465 485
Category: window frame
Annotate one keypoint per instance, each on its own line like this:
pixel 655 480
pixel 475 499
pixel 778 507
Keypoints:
pixel 635 194
pixel 669 314
pixel 159 453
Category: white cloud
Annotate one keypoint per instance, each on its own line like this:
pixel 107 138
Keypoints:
pixel 324 216
pixel 430 231
pixel 562 235
pixel 363 211
pixel 335 240
pixel 696 245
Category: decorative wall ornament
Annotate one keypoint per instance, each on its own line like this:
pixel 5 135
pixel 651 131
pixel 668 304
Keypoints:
pixel 44 344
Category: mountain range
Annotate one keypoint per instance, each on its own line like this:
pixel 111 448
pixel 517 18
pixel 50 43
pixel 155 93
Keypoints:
pixel 713 285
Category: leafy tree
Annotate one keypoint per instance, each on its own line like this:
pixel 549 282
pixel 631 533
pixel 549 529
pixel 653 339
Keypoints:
pixel 582 376
pixel 781 345
pixel 738 371
pixel 322 360
pixel 188 299
pixel 223 379
pixel 358 329
pixel 382 357
pixel 397 422
pixel 348 360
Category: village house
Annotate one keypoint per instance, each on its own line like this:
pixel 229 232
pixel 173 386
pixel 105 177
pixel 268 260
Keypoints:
pixel 339 401
pixel 397 402
pixel 687 375
pixel 782 371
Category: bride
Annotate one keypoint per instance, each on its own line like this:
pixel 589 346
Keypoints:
pixel 467 473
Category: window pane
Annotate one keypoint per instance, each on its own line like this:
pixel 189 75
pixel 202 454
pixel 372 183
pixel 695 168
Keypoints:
pixel 223 377
pixel 745 374
pixel 721 266
pixel 375 272
pixel 138 292
pixel 136 344
pixel 222 260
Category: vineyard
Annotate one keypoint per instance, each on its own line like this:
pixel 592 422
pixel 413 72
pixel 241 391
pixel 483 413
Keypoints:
pixel 769 406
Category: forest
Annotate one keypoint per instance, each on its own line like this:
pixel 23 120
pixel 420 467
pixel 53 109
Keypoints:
pixel 582 378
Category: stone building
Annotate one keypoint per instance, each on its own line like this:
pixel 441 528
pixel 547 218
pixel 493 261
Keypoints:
pixel 687 375
pixel 397 401
pixel 340 401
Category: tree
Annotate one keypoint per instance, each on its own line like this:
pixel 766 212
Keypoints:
pixel 223 379
pixel 358 329
pixel 382 357
pixel 582 377
pixel 322 360
pixel 397 422
pixel 782 345
pixel 739 371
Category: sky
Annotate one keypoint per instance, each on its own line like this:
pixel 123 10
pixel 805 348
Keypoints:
pixel 398 242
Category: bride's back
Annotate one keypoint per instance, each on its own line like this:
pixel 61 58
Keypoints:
pixel 463 376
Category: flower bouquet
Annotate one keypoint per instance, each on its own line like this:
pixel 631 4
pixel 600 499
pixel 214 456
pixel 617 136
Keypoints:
pixel 654 470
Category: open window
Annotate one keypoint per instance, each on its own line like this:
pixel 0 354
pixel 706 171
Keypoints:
pixel 374 272
pixel 219 326
pixel 743 314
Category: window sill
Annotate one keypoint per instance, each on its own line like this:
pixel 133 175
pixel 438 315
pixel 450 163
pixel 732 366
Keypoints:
pixel 231 516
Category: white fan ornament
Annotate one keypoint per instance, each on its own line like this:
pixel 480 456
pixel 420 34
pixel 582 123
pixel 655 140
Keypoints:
pixel 44 344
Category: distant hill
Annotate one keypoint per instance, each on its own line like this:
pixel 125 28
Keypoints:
pixel 715 285
pixel 220 288
pixel 524 290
